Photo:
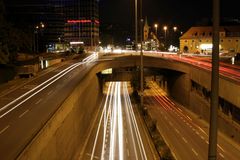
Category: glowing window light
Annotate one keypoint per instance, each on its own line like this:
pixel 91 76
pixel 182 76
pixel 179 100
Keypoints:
pixel 107 71
pixel 206 46
pixel 72 43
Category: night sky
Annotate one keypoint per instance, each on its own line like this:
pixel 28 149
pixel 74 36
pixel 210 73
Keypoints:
pixel 183 13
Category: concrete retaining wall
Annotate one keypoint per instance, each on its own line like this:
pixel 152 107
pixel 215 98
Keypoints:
pixel 54 61
pixel 66 132
pixel 179 87
pixel 226 125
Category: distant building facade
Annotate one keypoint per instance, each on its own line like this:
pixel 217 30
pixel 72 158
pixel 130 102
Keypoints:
pixel 150 39
pixel 146 30
pixel 82 21
pixel 65 20
pixel 199 39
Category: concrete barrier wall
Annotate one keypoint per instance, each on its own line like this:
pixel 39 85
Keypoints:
pixel 54 61
pixel 66 132
pixel 226 125
pixel 179 86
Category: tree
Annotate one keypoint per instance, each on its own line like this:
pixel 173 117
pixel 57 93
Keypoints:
pixel 12 40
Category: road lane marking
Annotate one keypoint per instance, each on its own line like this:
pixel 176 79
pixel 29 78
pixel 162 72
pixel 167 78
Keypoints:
pixel 184 140
pixel 179 109
pixel 194 152
pixel 202 137
pixel 50 92
pixel 197 132
pixel 128 152
pixel 220 147
pixel 202 131
pixel 171 123
pixel 177 130
pixel 221 155
pixel 57 76
pixel 4 129
pixel 95 157
pixel 21 115
pixel 38 101
pixel 207 142
pixel 189 118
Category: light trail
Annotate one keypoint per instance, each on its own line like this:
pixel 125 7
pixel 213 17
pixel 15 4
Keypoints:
pixel 101 118
pixel 120 123
pixel 139 139
pixel 26 96
pixel 90 58
pixel 161 98
pixel 117 104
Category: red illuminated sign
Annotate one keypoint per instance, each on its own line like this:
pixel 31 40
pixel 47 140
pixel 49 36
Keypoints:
pixel 82 21
pixel 79 21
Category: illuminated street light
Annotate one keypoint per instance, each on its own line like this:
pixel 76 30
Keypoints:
pixel 165 28
pixel 156 27
pixel 175 29
pixel 165 34
pixel 35 44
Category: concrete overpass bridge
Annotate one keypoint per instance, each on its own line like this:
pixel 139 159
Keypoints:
pixel 187 84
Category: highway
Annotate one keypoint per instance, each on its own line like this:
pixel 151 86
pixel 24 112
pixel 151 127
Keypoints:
pixel 227 70
pixel 24 111
pixel 184 133
pixel 118 132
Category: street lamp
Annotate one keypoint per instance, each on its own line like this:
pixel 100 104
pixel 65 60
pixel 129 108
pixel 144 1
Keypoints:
pixel 156 27
pixel 174 28
pixel 165 34
pixel 37 27
pixel 136 25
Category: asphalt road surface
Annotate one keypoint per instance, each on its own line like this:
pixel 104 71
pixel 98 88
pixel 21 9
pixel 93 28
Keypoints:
pixel 24 111
pixel 118 132
pixel 186 136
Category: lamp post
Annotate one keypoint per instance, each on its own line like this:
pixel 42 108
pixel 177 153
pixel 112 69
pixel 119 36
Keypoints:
pixel 165 35
pixel 212 148
pixel 136 25
pixel 36 39
pixel 173 36
pixel 156 27
pixel 141 55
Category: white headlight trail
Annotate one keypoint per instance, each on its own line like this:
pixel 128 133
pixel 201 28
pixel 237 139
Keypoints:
pixel 120 123
pixel 142 149
pixel 99 125
pixel 129 120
